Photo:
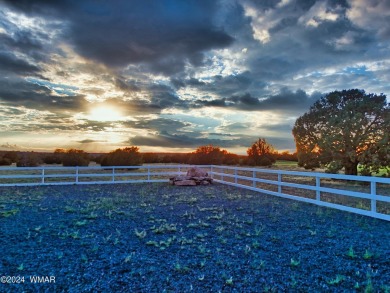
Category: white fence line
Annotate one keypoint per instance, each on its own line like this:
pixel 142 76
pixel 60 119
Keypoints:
pixel 247 178
pixel 81 175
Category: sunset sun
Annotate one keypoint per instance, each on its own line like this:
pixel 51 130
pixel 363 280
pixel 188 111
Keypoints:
pixel 105 114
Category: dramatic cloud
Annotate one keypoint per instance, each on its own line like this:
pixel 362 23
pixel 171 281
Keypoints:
pixel 19 92
pixel 166 139
pixel 90 141
pixel 173 75
pixel 371 15
pixel 159 124
pixel 163 35
pixel 286 101
pixel 10 62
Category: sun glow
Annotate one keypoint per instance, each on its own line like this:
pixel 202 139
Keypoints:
pixel 105 114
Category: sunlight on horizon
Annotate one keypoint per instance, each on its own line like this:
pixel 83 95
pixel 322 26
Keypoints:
pixel 105 114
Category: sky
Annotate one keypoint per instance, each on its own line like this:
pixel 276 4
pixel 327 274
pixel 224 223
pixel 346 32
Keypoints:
pixel 172 75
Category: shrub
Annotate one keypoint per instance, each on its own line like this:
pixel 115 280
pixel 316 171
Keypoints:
pixel 5 161
pixel 208 154
pixel 151 158
pixel 231 159
pixel 52 159
pixel 128 156
pixel 286 156
pixel 365 172
pixel 308 160
pixel 261 153
pixel 265 161
pixel 11 155
pixel 73 157
pixel 333 167
pixel 28 160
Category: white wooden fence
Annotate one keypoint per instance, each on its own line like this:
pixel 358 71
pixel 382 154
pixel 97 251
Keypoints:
pixel 29 176
pixel 361 193
pixel 369 196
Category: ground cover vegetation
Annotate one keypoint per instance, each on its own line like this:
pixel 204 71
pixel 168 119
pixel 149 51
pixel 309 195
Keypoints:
pixel 346 129
pixel 157 237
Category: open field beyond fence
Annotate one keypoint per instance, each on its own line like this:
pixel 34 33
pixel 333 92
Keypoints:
pixel 153 237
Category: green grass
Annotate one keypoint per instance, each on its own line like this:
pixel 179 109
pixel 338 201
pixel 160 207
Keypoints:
pixel 294 165
pixel 384 171
pixel 236 238
pixel 286 163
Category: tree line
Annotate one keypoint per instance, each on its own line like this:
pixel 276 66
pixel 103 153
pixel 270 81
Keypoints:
pixel 261 153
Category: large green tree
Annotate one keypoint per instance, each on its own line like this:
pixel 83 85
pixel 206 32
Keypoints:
pixel 343 129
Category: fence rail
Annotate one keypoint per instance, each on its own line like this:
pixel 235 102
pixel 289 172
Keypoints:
pixel 369 196
pixel 30 176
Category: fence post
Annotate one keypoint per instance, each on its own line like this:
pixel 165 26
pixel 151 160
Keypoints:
pixel 279 183
pixel 373 196
pixel 235 176
pixel 254 176
pixel 222 170
pixel 318 185
pixel 77 174
pixel 212 171
pixel 149 173
pixel 113 174
pixel 43 175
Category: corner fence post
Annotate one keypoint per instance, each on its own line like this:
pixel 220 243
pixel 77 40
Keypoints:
pixel 373 196
pixel 279 183
pixel 318 185
pixel 253 180
pixel 43 175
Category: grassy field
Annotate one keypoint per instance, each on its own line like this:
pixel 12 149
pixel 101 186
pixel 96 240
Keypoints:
pixel 293 166
pixel 121 175
pixel 281 163
pixel 162 238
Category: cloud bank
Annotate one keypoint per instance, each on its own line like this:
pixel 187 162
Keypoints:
pixel 181 73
